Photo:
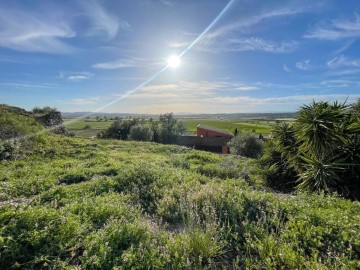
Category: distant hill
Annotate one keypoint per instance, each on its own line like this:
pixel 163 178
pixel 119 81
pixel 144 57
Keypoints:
pixel 247 116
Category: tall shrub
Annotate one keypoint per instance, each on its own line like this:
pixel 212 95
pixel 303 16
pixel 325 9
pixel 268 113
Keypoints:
pixel 321 150
pixel 247 145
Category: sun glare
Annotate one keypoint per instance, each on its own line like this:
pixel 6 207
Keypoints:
pixel 173 61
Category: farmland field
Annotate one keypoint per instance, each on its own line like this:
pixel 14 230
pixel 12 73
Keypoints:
pixel 94 126
pixel 230 125
pixel 246 126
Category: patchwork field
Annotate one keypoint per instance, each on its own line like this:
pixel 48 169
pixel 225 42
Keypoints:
pixel 90 127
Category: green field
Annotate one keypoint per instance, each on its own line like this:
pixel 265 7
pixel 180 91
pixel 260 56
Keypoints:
pixel 78 126
pixel 247 126
pixel 242 125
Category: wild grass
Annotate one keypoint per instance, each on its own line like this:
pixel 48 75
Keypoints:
pixel 105 204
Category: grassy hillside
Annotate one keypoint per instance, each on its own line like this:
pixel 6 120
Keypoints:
pixel 101 204
pixel 106 204
pixel 15 125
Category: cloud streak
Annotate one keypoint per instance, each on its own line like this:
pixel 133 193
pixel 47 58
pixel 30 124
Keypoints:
pixel 222 39
pixel 51 31
pixel 85 101
pixel 28 85
pixel 75 76
pixel 129 62
pixel 336 29
pixel 286 69
pixel 187 90
pixel 102 21
pixel 342 61
pixel 29 32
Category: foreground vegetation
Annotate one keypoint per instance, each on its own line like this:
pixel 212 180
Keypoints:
pixel 320 151
pixel 109 204
pixel 102 204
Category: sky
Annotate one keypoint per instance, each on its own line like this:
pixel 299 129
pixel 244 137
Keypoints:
pixel 238 56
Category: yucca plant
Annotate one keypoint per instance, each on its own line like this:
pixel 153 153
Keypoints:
pixel 319 126
pixel 321 174
pixel 321 150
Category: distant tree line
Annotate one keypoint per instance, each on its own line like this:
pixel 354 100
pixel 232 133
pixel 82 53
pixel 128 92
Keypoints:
pixel 164 131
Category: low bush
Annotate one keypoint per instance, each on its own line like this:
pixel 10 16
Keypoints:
pixel 247 145
pixel 141 133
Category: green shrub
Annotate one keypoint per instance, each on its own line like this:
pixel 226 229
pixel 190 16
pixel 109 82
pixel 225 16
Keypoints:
pixel 246 145
pixel 320 151
pixel 120 129
pixel 141 133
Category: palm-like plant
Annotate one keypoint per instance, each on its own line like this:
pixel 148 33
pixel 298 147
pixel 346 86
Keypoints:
pixel 321 174
pixel 318 126
pixel 322 149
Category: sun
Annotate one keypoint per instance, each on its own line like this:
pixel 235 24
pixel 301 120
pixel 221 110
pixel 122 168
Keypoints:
pixel 173 61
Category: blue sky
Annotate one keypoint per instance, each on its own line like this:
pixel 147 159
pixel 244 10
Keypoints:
pixel 259 56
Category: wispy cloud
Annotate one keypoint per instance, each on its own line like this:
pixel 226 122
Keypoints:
pixel 189 89
pixel 31 32
pixel 221 103
pixel 178 44
pixel 346 45
pixel 217 96
pixel 336 29
pixel 102 21
pixel 117 64
pixel 75 76
pixel 297 99
pixel 343 72
pixel 340 83
pixel 303 65
pixel 28 85
pixel 37 30
pixel 85 101
pixel 167 3
pixel 243 25
pixel 242 44
pixel 257 44
pixel 246 88
pixel 285 68
pixel 128 62
pixel 342 61
pixel 226 38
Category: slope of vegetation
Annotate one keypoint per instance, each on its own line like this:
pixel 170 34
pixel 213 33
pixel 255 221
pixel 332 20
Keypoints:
pixel 107 204
pixel 15 125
